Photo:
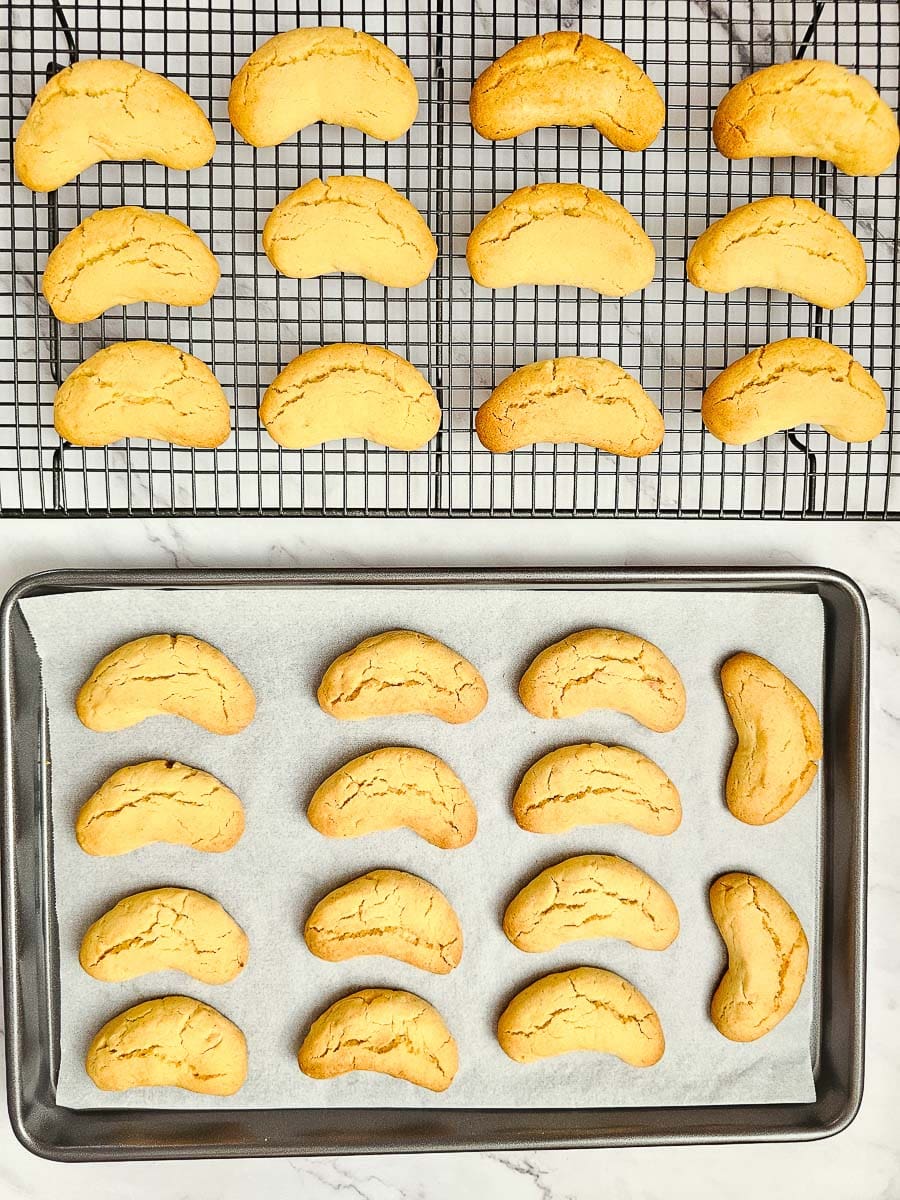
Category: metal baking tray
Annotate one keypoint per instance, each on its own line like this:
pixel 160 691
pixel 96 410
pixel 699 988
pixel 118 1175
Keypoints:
pixel 30 943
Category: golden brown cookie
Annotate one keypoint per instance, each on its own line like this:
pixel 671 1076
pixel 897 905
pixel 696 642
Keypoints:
pixel 105 108
pixel 379 1029
pixel 350 390
pixel 391 913
pixel 322 73
pixel 566 77
pixel 173 1041
pixel 767 956
pixel 582 1009
pixel 796 381
pixel 166 673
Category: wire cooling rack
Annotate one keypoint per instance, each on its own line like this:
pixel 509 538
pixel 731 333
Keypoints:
pixel 463 337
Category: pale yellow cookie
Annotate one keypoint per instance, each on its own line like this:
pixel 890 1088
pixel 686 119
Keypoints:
pixel 393 1032
pixel 566 77
pixel 322 73
pixel 350 390
pixel 126 256
pixel 173 1041
pixel 796 381
pixel 353 224
pixel 104 108
pixel 166 673
pixel 808 108
pixel 767 956
pixel 558 234
pixel 391 913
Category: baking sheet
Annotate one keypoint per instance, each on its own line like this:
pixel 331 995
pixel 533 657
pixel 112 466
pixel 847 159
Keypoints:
pixel 283 639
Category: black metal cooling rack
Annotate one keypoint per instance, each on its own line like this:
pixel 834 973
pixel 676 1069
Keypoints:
pixel 464 338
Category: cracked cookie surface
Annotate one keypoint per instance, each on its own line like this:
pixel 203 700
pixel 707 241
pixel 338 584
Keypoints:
pixel 567 78
pixel 582 1009
pixel 796 381
pixel 159 801
pixel 779 740
pixel 782 243
pixel 353 224
pixel 808 108
pixel 172 1041
pixel 350 390
pixel 126 256
pixel 379 1029
pixel 144 390
pixel 590 401
pixel 400 672
pixel 395 787
pixel 558 234
pixel 392 913
pixel 99 109
pixel 166 673
pixel 332 74
pixel 165 929
pixel 605 668
pixel 592 784
pixel 767 956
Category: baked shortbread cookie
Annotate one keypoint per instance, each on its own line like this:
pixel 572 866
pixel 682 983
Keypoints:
pixel 143 390
pixel 350 390
pixel 105 108
pixel 340 76
pixel 566 77
pixel 808 108
pixel 587 400
pixel 561 234
pixel 126 256
pixel 172 1041
pixel 582 1009
pixel 796 381
pixel 782 243
pixel 354 224
pixel 379 1029
pixel 767 956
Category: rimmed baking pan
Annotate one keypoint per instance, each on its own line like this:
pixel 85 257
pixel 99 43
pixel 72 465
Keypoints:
pixel 31 954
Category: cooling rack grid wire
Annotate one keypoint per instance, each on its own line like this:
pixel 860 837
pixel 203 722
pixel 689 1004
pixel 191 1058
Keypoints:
pixel 463 337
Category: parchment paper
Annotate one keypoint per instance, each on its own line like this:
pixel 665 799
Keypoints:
pixel 283 639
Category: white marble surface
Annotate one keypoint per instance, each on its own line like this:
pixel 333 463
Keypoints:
pixel 861 1164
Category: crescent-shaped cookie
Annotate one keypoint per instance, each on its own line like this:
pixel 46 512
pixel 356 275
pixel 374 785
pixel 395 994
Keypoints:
pixel 767 956
pixel 165 929
pixel 558 234
pixel 126 256
pixel 586 400
pixel 796 381
pixel 605 668
pixel 166 673
pixel 142 390
pixel 782 243
pixel 808 108
pixel 583 1009
pixel 350 390
pixel 349 223
pixel 159 801
pixel 172 1041
pixel 779 740
pixel 318 73
pixel 591 896
pixel 392 788
pixel 398 672
pixel 105 108
pixel 379 1029
pixel 566 77
pixel 591 784
pixel 391 913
